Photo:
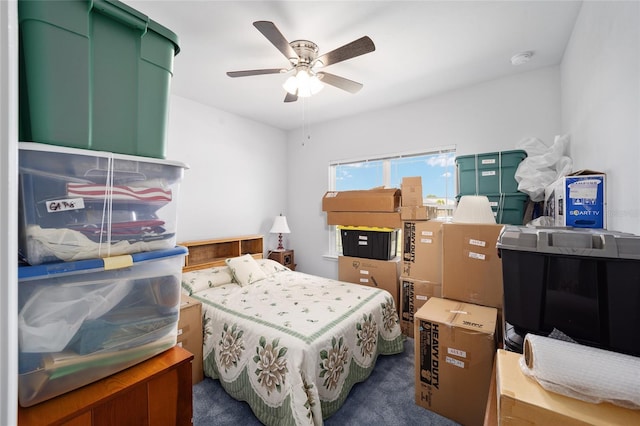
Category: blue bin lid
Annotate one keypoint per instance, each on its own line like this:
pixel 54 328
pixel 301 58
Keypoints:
pixel 26 273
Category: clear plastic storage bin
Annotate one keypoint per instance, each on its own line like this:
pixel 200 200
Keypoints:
pixel 79 204
pixel 81 321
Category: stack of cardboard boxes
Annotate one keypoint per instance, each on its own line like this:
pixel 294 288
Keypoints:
pixel 369 222
pixel 451 292
pixel 448 281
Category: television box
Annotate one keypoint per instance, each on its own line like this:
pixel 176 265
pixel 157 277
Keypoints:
pixel 81 321
pixel 471 267
pixel 94 75
pixel 374 219
pixel 578 200
pixel 413 294
pixel 373 273
pixel 582 282
pixel 77 204
pixel 369 242
pixel 371 200
pixel 521 400
pixel 411 188
pixel 454 350
pixel 418 212
pixel 422 250
pixel 489 173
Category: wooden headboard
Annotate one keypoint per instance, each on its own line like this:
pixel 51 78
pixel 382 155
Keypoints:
pixel 209 253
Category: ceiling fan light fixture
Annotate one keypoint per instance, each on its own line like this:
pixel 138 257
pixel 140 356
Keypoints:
pixel 303 84
pixel 291 85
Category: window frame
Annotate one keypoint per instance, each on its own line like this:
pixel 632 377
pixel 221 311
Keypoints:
pixel 333 241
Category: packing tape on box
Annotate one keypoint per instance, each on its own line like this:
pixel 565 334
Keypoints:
pixel 582 372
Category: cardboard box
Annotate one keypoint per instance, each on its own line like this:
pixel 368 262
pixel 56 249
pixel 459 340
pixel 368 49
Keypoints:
pixel 413 294
pixel 521 400
pixel 371 200
pixel 411 191
pixel 382 274
pixel 471 267
pixel 422 250
pixel 454 350
pixel 375 219
pixel 190 334
pixel 418 212
pixel 578 200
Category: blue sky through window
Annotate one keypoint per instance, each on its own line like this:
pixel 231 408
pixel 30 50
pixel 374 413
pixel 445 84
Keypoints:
pixel 437 171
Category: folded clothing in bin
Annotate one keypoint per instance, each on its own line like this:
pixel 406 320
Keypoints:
pixel 77 204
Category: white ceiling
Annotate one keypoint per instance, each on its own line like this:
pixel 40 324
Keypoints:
pixel 422 48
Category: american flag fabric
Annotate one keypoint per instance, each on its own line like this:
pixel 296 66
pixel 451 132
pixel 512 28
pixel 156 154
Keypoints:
pixel 119 192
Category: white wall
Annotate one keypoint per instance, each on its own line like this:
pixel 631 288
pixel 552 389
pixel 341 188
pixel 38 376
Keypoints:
pixel 493 116
pixel 600 77
pixel 236 181
pixel 8 212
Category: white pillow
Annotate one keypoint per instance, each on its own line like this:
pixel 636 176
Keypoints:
pixel 245 269
pixel 195 281
pixel 270 266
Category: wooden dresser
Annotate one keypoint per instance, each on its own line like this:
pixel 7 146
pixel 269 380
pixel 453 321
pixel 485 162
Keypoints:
pixel 155 392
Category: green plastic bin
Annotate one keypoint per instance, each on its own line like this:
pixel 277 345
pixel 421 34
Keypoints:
pixel 489 173
pixel 94 74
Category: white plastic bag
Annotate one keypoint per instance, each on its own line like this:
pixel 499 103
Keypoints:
pixel 54 313
pixel 543 165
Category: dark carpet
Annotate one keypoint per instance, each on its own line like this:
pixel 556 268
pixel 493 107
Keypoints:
pixel 385 398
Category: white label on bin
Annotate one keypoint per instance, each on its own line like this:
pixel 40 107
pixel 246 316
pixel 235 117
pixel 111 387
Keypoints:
pixel 427 233
pixel 489 173
pixel 363 243
pixel 364 272
pixel 364 280
pixel 478 243
pixel 426 240
pixel 421 297
pixel 63 205
pixel 363 237
pixel 457 352
pixel 478 256
pixel 493 203
pixel 488 161
pixel 455 362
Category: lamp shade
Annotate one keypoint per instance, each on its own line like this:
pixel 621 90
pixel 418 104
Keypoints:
pixel 280 226
pixel 474 209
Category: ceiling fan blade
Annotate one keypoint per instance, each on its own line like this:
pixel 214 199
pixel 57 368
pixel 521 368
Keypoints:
pixel 340 82
pixel 271 32
pixel 290 97
pixel 255 72
pixel 350 50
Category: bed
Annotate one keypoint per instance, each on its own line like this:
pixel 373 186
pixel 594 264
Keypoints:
pixel 290 344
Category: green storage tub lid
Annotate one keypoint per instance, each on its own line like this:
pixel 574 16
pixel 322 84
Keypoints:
pixel 134 18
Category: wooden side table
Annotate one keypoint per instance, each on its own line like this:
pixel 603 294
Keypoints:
pixel 190 333
pixel 284 257
pixel 155 392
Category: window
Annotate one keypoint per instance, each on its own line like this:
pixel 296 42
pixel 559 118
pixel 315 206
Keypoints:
pixel 437 169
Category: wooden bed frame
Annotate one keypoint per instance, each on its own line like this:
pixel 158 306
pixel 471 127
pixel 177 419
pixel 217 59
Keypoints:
pixel 209 253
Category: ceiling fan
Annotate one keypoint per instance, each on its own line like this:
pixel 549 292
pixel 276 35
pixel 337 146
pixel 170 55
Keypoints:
pixel 305 62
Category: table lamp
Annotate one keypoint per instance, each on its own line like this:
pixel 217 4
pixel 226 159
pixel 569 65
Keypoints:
pixel 280 227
